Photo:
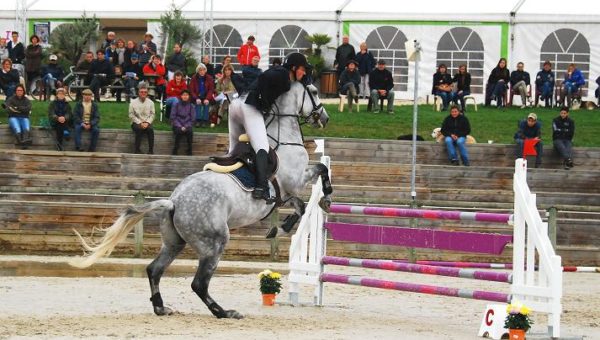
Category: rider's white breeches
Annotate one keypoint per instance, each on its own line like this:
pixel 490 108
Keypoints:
pixel 244 118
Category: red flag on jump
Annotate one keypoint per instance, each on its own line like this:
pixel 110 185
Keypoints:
pixel 529 147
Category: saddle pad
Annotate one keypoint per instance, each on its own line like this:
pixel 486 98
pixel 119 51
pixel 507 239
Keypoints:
pixel 244 178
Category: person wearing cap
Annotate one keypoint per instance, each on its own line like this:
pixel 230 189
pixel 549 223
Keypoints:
pixel 132 74
pixel 33 59
pixel 110 38
pixel 442 85
pixel 18 107
pixel 86 117
pixel 519 82
pixel 349 82
pixel 455 129
pixel 9 78
pixel 141 114
pixel 146 48
pixel 247 52
pixel 366 64
pixel 344 53
pixel 574 79
pixel 176 62
pixel 52 74
pixel 381 83
pixel 202 90
pixel 60 116
pixel 563 130
pixel 183 114
pixel 463 86
pixel 101 72
pixel 544 83
pixel 530 128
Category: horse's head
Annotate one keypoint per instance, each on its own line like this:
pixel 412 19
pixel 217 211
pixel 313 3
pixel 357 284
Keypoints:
pixel 310 107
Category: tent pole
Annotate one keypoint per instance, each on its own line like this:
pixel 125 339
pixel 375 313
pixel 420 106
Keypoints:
pixel 210 47
pixel 203 31
pixel 338 20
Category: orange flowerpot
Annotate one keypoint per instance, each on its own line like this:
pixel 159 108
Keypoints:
pixel 516 334
pixel 268 299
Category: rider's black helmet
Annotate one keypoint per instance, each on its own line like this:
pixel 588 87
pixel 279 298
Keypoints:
pixel 296 59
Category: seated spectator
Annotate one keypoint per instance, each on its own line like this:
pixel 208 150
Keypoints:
pixel 3 49
pixel 219 68
pixel 52 74
pixel 110 53
pixel 530 128
pixel 210 68
pixel 563 130
pixel 9 78
pixel 519 82
pixel 349 82
pixel 86 63
pixel 202 89
pixel 176 62
pixel 18 107
pixel 573 81
pixel 183 114
pixel 463 86
pixel 442 85
pixel 101 72
pixel 86 117
pixel 146 49
pixel 597 92
pixel 250 73
pixel 455 129
pixel 60 116
pixel 381 83
pixel 110 38
pixel 226 90
pixel 141 114
pixel 117 84
pixel 133 74
pixel 174 88
pixel 157 69
pixel 130 50
pixel 366 64
pixel 276 62
pixel 33 59
pixel 117 55
pixel 544 83
pixel 497 84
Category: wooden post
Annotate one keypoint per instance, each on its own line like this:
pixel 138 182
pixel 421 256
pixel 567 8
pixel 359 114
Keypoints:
pixel 138 231
pixel 552 212
pixel 274 222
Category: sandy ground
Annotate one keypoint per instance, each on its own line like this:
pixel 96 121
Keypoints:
pixel 48 307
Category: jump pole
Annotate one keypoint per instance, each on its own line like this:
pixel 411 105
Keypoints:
pixel 491 265
pixel 419 269
pixel 416 288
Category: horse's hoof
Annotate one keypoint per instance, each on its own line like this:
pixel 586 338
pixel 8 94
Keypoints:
pixel 232 314
pixel 163 311
pixel 325 204
pixel 272 232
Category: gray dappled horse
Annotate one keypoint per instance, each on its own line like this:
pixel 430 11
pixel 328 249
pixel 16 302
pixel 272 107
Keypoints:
pixel 206 205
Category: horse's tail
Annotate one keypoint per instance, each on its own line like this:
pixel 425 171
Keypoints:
pixel 117 232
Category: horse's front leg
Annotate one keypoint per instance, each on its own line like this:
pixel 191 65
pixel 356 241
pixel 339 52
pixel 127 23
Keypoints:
pixel 321 170
pixel 290 220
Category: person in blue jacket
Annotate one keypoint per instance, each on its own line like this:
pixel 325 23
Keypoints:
pixel 544 83
pixel 573 81
pixel 366 64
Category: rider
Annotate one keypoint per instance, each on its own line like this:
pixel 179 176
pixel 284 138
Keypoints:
pixel 249 118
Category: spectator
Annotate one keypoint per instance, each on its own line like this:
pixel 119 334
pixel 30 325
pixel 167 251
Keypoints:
pixel 174 88
pixel 497 84
pixel 147 48
pixel 117 55
pixel 110 38
pixel 210 68
pixel 250 73
pixel 455 129
pixel 381 83
pixel 60 116
pixel 519 82
pixel 130 49
pixel 176 62
pixel 573 81
pixel 544 83
pixel 597 92
pixel 157 69
pixel 349 82
pixel 141 114
pixel 344 53
pixel 563 130
pixel 86 117
pixel 33 59
pixel 9 78
pixel 117 84
pixel 442 85
pixel 182 119
pixel 202 89
pixel 226 91
pixel 463 86
pixel 86 63
pixel 3 49
pixel 19 110
pixel 530 128
pixel 276 62
pixel 219 68
pixel 133 74
pixel 366 64
pixel 52 74
pixel 16 53
pixel 110 53
pixel 247 52
pixel 101 72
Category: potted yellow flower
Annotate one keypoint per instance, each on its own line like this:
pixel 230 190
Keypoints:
pixel 270 285
pixel 517 321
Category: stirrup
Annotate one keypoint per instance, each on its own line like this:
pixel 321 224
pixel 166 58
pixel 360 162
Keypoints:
pixel 261 193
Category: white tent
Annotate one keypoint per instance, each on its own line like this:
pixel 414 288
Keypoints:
pixel 473 32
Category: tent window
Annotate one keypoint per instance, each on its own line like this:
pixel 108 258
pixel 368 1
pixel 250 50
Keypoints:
pixel 462 45
pixel 563 47
pixel 387 43
pixel 286 40
pixel 226 41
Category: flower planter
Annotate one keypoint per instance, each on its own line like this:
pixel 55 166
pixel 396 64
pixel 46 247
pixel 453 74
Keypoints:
pixel 516 334
pixel 268 299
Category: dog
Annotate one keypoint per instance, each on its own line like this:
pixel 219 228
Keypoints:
pixel 437 135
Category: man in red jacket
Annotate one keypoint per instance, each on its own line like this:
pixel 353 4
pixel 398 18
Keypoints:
pixel 247 52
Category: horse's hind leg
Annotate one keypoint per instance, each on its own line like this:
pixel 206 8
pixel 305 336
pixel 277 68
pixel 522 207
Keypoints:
pixel 209 258
pixel 172 245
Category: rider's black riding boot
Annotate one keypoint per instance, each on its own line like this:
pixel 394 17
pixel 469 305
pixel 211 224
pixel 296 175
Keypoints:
pixel 261 191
